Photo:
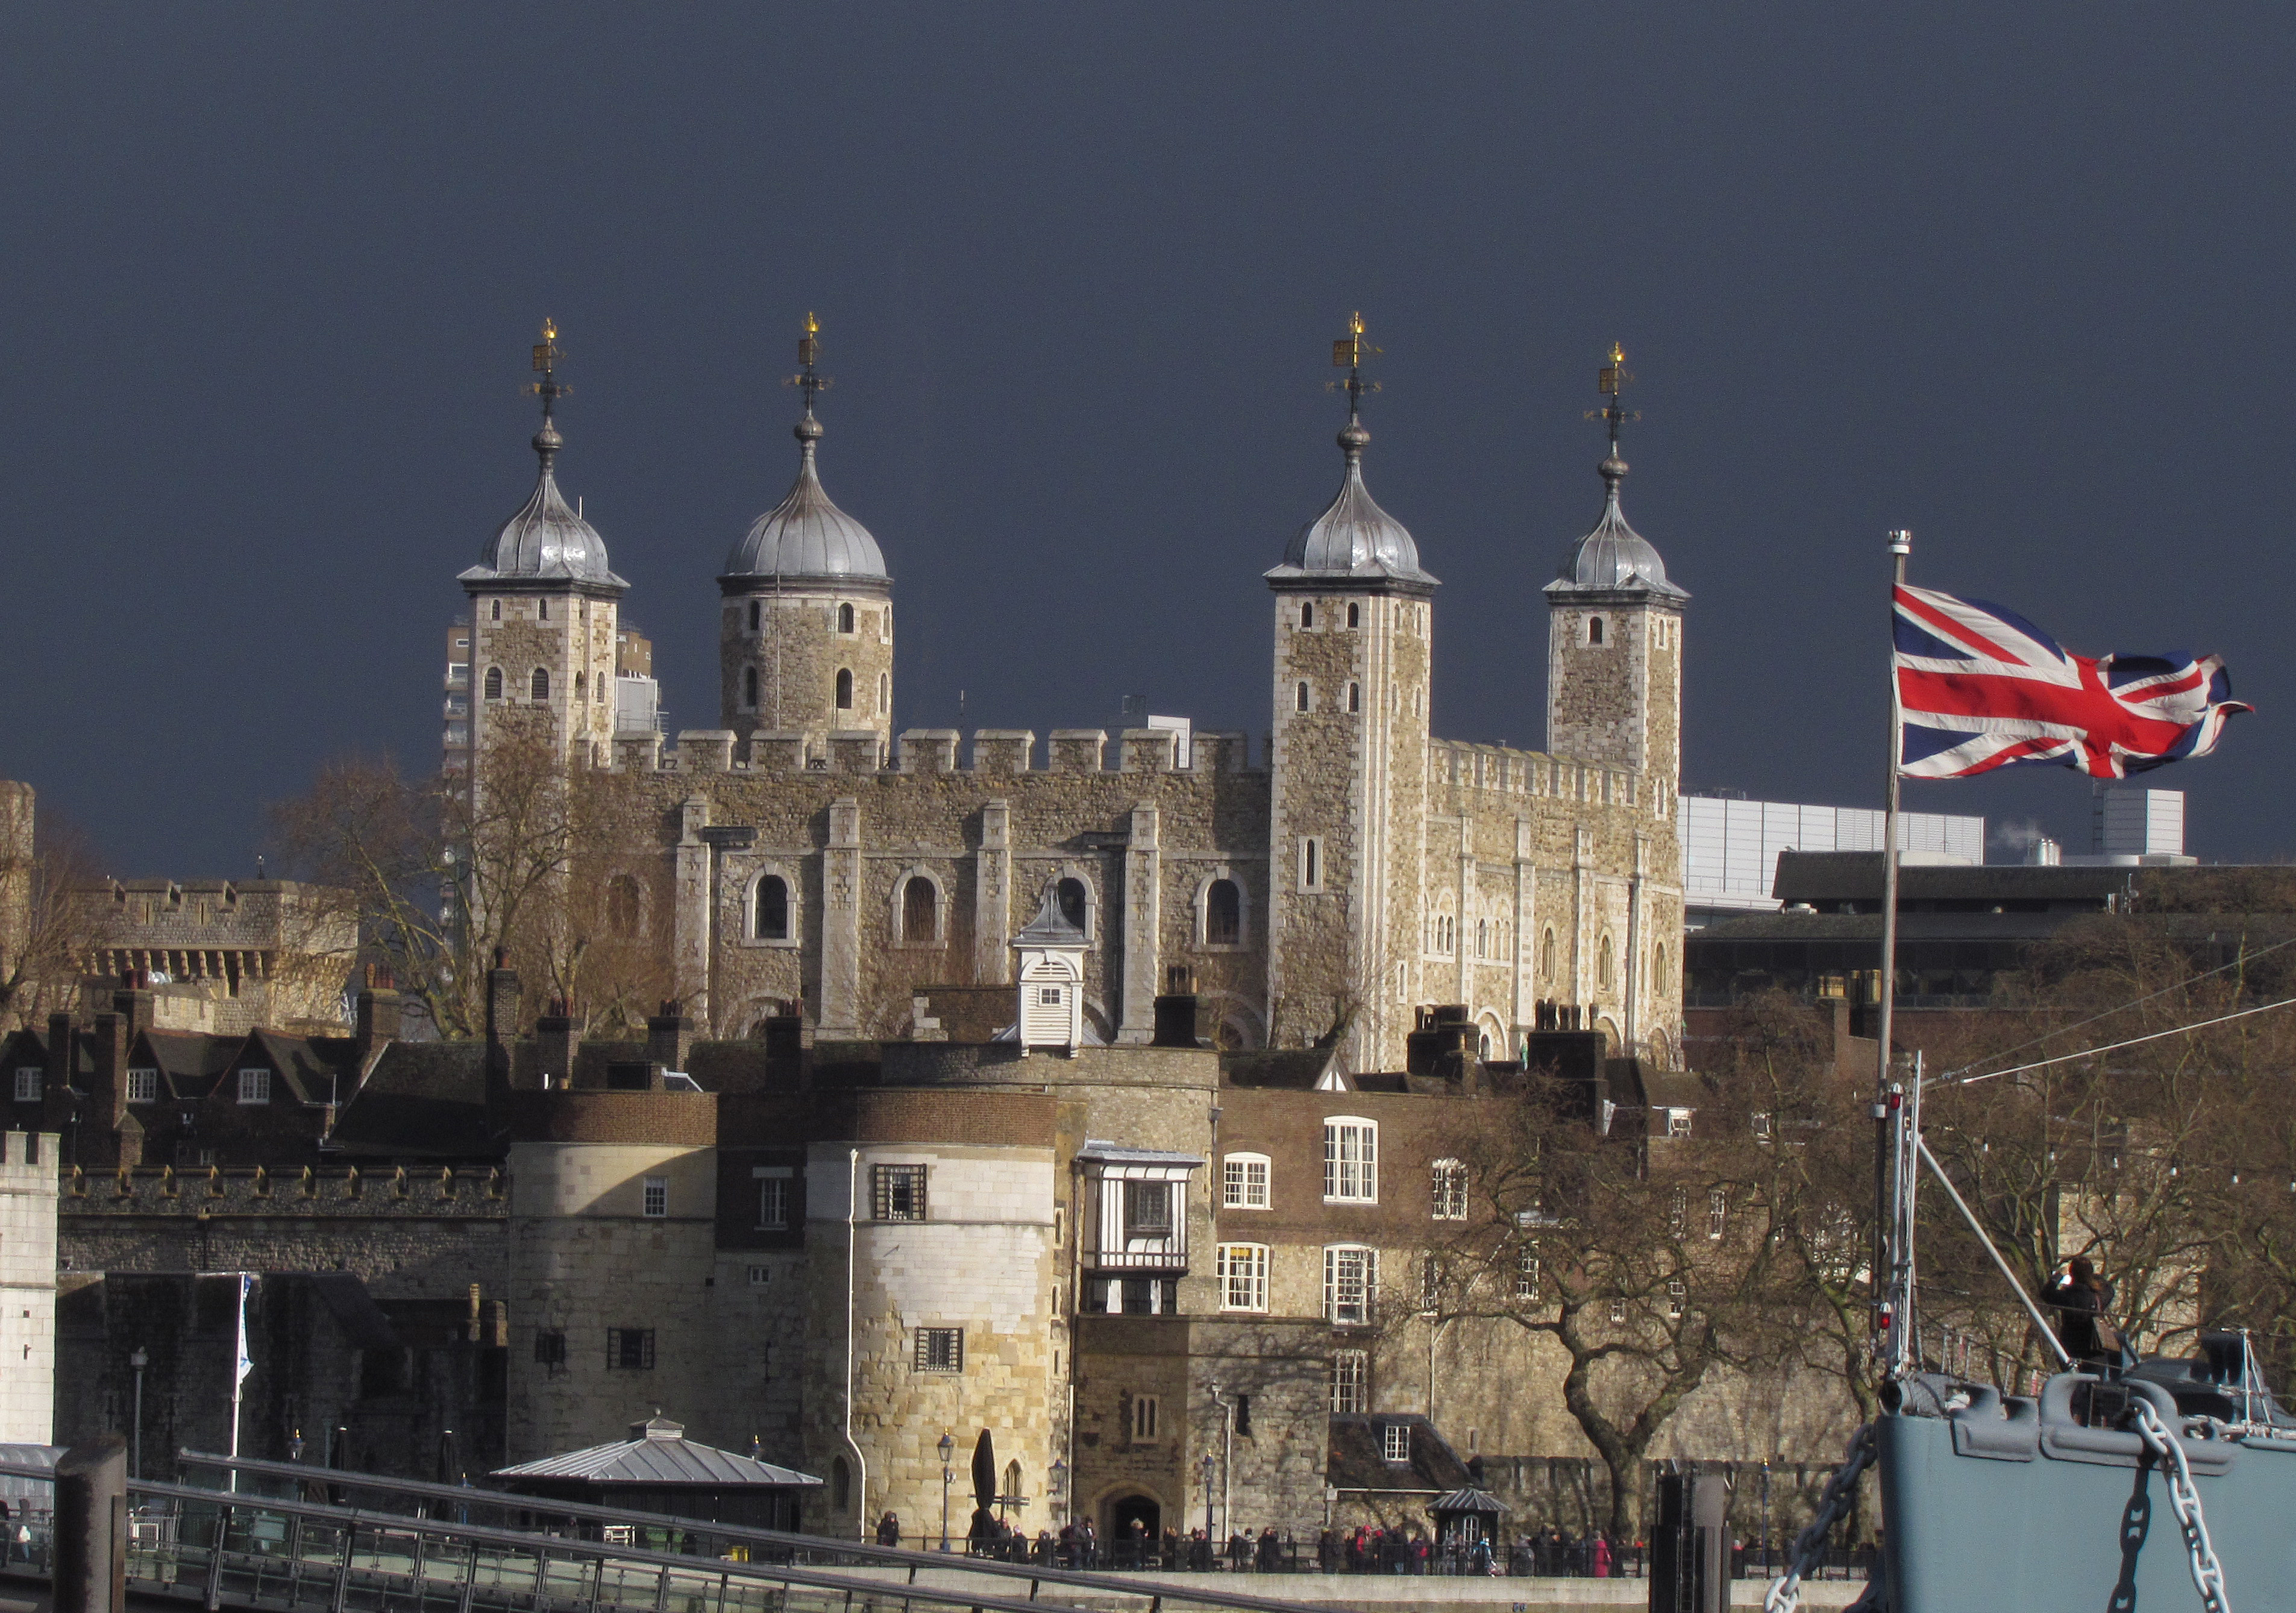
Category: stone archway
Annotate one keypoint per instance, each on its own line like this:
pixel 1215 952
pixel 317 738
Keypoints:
pixel 1121 1512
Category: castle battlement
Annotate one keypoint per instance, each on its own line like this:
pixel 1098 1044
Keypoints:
pixel 996 752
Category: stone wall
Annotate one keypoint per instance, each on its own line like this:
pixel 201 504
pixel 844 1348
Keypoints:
pixel 797 652
pixel 28 1286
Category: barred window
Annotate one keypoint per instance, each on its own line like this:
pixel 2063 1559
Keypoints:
pixel 1243 1276
pixel 629 1349
pixel 1147 1209
pixel 1351 1380
pixel 654 1203
pixel 1244 1181
pixel 1526 1272
pixel 1350 1160
pixel 896 1192
pixel 773 1197
pixel 1350 1278
pixel 1450 1189
pixel 940 1350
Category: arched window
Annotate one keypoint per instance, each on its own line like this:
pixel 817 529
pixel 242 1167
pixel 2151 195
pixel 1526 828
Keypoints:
pixel 1546 957
pixel 541 610
pixel 1355 697
pixel 1657 967
pixel 920 909
pixel 1076 904
pixel 884 694
pixel 625 911
pixel 844 690
pixel 757 614
pixel 578 686
pixel 750 686
pixel 1224 914
pixel 1307 615
pixel 1354 618
pixel 494 683
pixel 772 915
pixel 541 683
pixel 497 610
pixel 1301 694
pixel 844 618
pixel 841 1485
pixel 1603 969
pixel 1594 630
pixel 1482 938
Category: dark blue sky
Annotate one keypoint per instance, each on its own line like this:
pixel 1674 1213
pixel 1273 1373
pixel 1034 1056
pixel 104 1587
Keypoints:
pixel 2016 277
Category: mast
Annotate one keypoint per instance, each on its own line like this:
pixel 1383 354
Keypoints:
pixel 1890 1329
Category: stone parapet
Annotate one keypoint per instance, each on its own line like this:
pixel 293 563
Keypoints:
pixel 928 750
pixel 855 752
pixel 1148 749
pixel 1003 750
pixel 1078 750
pixel 463 1192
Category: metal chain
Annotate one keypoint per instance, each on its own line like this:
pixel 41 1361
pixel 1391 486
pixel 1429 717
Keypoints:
pixel 1785 1591
pixel 2208 1574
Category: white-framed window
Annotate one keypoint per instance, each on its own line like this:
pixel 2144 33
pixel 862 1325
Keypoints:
pixel 1395 1442
pixel 1430 1281
pixel 1146 1416
pixel 144 1086
pixel 1526 1272
pixel 28 1078
pixel 1350 1279
pixel 654 1197
pixel 1243 1276
pixel 773 1195
pixel 1618 1308
pixel 1718 1213
pixel 1351 1380
pixel 1677 1293
pixel 1677 1123
pixel 1048 997
pixel 1244 1181
pixel 1350 1160
pixel 1447 1188
pixel 1678 1214
pixel 255 1086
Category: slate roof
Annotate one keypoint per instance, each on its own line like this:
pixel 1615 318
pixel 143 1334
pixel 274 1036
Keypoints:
pixel 422 1098
pixel 659 1455
pixel 1287 1069
pixel 1823 877
pixel 1358 1461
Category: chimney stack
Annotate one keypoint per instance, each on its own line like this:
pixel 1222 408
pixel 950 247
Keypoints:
pixel 669 1036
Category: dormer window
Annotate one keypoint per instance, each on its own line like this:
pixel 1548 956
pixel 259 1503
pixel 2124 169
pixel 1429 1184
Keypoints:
pixel 144 1086
pixel 255 1086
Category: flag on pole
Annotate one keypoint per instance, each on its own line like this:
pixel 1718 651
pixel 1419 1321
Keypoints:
pixel 243 1365
pixel 1980 687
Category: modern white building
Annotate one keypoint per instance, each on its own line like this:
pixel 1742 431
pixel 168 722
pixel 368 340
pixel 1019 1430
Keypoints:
pixel 28 1287
pixel 1730 847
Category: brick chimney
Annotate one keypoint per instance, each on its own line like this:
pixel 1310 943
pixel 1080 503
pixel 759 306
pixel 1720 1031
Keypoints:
pixel 377 1014
pixel 558 1037
pixel 62 1066
pixel 133 1001
pixel 502 1024
pixel 108 1079
pixel 669 1036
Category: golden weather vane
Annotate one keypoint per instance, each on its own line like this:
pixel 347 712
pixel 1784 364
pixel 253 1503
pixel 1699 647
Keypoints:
pixel 546 355
pixel 1348 353
pixel 809 353
pixel 1612 381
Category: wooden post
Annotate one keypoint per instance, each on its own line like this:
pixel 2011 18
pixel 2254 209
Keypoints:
pixel 91 1562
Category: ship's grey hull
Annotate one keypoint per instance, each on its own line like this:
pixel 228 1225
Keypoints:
pixel 2032 1513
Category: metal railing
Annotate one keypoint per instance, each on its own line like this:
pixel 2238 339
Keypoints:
pixel 244 1548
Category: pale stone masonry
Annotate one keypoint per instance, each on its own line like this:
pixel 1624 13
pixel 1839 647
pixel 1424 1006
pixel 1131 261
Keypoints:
pixel 28 1286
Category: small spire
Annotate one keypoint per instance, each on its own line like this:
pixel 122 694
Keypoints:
pixel 809 381
pixel 546 355
pixel 1612 381
pixel 1347 354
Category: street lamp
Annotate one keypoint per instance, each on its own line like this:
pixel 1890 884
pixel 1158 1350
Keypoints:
pixel 139 1361
pixel 295 1446
pixel 948 1445
pixel 1056 1478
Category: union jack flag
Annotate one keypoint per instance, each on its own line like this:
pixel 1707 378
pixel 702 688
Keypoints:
pixel 1981 687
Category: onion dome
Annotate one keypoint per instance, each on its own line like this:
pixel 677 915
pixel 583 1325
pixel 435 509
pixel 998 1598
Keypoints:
pixel 545 542
pixel 1614 557
pixel 1353 539
pixel 806 537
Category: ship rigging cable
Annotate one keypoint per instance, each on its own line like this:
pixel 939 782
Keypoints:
pixel 2114 1047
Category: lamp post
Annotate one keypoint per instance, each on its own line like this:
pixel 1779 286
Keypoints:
pixel 139 1361
pixel 947 1446
pixel 295 1446
pixel 1057 1475
pixel 1765 1518
pixel 1211 1540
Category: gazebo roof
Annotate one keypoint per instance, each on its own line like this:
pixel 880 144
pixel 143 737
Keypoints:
pixel 1467 1500
pixel 658 1453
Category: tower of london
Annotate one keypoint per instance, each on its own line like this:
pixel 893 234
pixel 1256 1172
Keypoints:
pixel 816 858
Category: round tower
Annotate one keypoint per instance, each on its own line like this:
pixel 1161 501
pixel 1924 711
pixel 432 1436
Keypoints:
pixel 1354 636
pixel 542 608
pixel 805 629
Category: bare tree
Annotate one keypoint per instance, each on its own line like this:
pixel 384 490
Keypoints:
pixel 48 929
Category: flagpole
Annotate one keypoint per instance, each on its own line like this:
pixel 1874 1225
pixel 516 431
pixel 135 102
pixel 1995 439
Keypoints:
pixel 1885 1113
pixel 240 1365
